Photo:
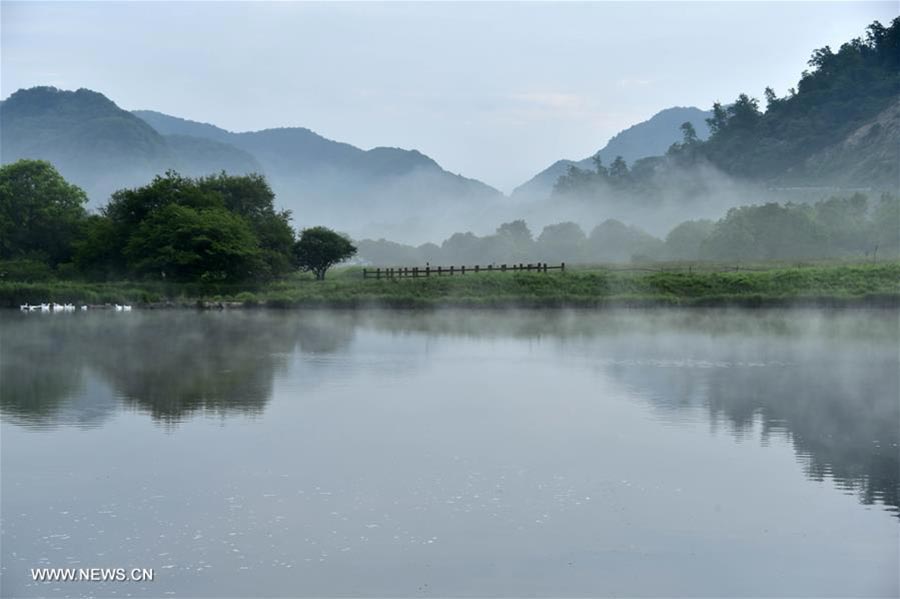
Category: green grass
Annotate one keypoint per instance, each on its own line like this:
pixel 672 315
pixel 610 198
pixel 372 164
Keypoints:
pixel 828 284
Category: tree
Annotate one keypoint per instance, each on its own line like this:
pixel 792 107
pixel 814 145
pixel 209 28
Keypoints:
pixel 689 133
pixel 40 212
pixel 614 241
pixel 251 197
pixel 598 165
pixel 515 240
pixel 185 244
pixel 466 248
pixel 719 119
pixel 618 170
pixel 685 240
pixel 562 242
pixel 320 248
pixel 239 210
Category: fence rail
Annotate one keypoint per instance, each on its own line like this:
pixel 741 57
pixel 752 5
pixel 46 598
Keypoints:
pixel 449 271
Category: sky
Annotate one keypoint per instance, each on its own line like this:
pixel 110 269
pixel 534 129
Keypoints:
pixel 494 91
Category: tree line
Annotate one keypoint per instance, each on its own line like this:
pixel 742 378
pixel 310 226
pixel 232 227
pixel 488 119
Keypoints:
pixel 839 227
pixel 215 229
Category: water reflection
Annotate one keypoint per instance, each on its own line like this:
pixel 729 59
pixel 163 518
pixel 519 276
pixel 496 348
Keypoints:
pixel 169 365
pixel 827 382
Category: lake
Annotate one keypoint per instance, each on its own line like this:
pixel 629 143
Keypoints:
pixel 452 453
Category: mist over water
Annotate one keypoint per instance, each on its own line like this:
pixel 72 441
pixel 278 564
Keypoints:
pixel 705 452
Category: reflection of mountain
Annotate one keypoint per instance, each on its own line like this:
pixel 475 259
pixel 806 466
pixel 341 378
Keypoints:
pixel 170 365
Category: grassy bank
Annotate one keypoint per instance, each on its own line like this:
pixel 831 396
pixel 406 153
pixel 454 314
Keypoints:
pixel 832 285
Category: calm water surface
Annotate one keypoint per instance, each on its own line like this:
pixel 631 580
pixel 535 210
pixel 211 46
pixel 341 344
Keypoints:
pixel 700 453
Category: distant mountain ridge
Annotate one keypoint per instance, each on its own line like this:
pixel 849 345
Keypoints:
pixel 648 138
pixel 337 183
pixel 101 147
pixel 298 148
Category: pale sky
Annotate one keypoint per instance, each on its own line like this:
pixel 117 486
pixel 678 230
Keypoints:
pixel 495 91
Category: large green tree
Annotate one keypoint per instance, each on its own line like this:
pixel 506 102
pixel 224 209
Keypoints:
pixel 186 244
pixel 251 197
pixel 221 227
pixel 320 248
pixel 40 212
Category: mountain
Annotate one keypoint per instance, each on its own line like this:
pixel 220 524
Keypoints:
pixel 367 191
pixel 87 137
pixel 869 156
pixel 838 127
pixel 648 138
pixel 102 148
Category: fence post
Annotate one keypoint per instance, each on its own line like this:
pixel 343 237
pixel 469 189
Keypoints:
pixel 562 267
pixel 545 267
pixel 364 273
pixel 451 270
pixel 503 267
pixel 476 268
pixel 490 267
pixel 378 273
pixel 463 269
pixel 428 271
pixel 439 271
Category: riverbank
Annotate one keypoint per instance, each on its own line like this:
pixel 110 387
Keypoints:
pixel 841 285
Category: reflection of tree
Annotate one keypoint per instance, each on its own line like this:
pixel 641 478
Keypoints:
pixel 170 364
pixel 38 369
pixel 183 362
pixel 829 384
pixel 842 416
pixel 843 420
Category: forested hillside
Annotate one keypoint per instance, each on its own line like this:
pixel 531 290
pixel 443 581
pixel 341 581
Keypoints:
pixel 839 128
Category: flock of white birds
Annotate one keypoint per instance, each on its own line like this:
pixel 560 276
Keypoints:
pixel 54 307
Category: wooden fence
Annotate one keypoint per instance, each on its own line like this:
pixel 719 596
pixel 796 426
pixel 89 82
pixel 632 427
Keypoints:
pixel 449 271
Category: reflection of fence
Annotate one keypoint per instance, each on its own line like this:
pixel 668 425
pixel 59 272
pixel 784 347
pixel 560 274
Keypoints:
pixel 449 271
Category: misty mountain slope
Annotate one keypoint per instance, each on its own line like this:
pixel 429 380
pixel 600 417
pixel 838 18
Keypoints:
pixel 340 185
pixel 289 150
pixel 648 138
pixel 100 147
pixel 170 125
pixel 85 135
pixel 198 156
